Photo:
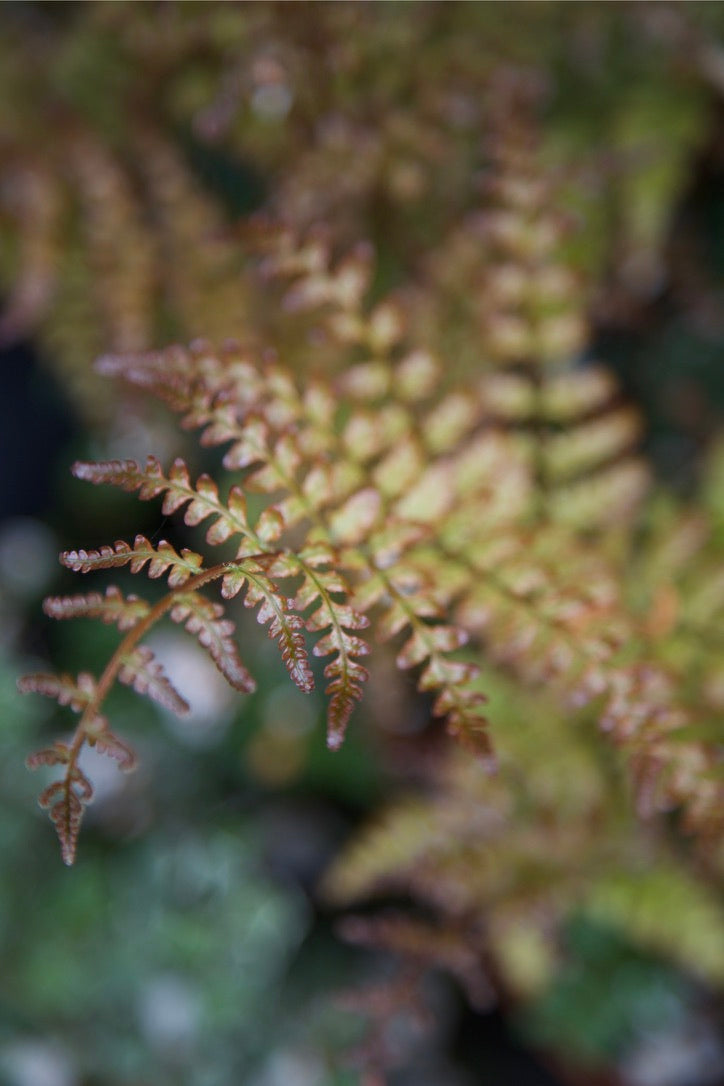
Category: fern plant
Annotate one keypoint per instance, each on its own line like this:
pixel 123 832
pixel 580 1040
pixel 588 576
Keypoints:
pixel 423 481
pixel 386 502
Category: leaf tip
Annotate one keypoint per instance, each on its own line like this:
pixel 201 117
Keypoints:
pixel 335 739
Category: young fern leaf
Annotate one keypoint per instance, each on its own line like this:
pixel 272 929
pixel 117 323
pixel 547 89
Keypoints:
pixel 205 620
pixel 140 670
pixel 77 693
pixel 67 798
pixel 276 611
pixel 202 500
pixel 411 606
pixel 107 743
pixel 132 664
pixel 65 801
pixel 321 585
pixel 161 560
pixel 113 608
pixel 58 754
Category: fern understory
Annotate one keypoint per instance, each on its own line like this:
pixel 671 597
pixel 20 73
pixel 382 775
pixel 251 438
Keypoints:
pixel 418 462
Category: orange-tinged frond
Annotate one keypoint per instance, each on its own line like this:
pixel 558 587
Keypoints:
pixel 321 588
pixel 201 500
pixel 77 693
pixel 65 801
pixel 161 559
pixel 106 742
pixel 140 670
pixel 205 620
pixel 112 608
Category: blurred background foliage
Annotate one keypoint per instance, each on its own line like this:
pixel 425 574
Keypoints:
pixel 192 944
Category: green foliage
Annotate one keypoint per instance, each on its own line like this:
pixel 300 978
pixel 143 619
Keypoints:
pixel 604 993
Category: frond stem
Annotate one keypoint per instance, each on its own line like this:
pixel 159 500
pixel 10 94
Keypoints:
pixel 129 642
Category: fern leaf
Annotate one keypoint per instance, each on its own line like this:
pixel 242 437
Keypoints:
pixel 65 801
pixel 58 754
pixel 112 608
pixel 563 398
pixel 411 604
pixel 463 708
pixel 251 445
pixel 163 559
pixel 67 798
pixel 107 743
pixel 591 443
pixel 321 583
pixel 346 686
pixel 202 500
pixel 140 670
pixel 205 620
pixel 168 374
pixel 126 474
pixel 354 521
pixel 173 375
pixel 285 627
pixel 77 693
pixel 106 557
pixel 431 641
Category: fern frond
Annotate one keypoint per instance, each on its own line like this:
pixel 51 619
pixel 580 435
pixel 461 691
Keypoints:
pixel 201 501
pixel 205 620
pixel 58 754
pixel 321 588
pixel 210 388
pixel 412 606
pixel 430 468
pixel 161 559
pixel 66 801
pixel 77 693
pixel 105 742
pixel 140 670
pixel 285 627
pixel 112 608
